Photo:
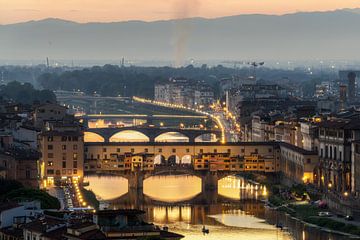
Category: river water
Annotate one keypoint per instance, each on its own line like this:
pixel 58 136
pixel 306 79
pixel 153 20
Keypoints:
pixel 236 211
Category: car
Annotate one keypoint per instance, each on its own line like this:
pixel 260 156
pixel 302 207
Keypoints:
pixel 325 214
pixel 349 218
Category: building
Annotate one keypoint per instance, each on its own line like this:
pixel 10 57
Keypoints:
pixel 181 91
pixel 21 164
pixel 335 151
pixel 44 228
pixel 298 165
pixel 62 148
pixel 355 168
pixel 310 135
pixel 48 112
pixel 129 224
pixel 8 211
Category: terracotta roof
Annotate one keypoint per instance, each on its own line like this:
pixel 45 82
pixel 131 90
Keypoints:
pixel 95 234
pixel 120 212
pixel 42 225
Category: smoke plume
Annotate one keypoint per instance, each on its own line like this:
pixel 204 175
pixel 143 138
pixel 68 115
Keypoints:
pixel 183 9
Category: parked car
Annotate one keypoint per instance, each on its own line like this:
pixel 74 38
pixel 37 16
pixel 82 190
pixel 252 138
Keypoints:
pixel 325 214
pixel 349 218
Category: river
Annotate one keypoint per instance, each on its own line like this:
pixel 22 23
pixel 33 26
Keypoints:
pixel 235 212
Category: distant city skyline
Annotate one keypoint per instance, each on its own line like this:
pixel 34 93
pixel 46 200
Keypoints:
pixel 151 10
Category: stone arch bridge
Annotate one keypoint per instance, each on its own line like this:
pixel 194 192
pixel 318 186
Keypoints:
pixel 152 132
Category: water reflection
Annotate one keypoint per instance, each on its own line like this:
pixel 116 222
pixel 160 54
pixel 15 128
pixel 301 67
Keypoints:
pixel 235 212
pixel 172 191
pixel 107 187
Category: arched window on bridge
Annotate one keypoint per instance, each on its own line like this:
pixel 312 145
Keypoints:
pixel 129 136
pixel 186 159
pixel 172 137
pixel 159 160
pixel 207 137
pixel 173 160
pixel 92 137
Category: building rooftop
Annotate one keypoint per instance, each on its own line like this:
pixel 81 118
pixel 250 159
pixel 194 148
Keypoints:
pixel 45 224
pixel 120 212
pixel 297 149
pixel 8 206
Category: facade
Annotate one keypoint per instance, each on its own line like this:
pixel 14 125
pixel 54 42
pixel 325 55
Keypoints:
pixel 21 165
pixel 181 91
pixel 261 156
pixel 8 211
pixel 335 151
pixel 48 112
pixel 298 165
pixel 355 168
pixel 62 148
pixel 310 135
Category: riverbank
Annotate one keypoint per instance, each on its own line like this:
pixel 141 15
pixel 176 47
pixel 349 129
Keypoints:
pixel 307 212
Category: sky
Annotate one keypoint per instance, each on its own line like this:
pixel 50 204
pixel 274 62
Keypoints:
pixel 13 11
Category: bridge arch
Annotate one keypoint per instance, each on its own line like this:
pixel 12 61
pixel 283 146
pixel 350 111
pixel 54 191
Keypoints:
pixel 93 137
pixel 129 136
pixel 207 137
pixel 172 137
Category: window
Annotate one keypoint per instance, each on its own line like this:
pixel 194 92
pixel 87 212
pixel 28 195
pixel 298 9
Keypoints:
pixel 63 147
pixel 201 151
pixel 50 163
pixel 118 150
pixel 308 161
pixel 256 151
pixel 27 174
pixel 63 139
pixel 50 171
pixel 174 150
pixel 146 150
pixel 105 156
pixel 50 155
pixel 187 150
pixel 50 147
pixel 75 156
pixel 335 153
pixel 50 139
pixel 75 164
pixel 321 152
pixel 270 150
pixel 215 150
pixel 75 171
pixel 75 139
pixel 75 147
pixel 242 150
pixel 229 150
pixel 104 149
pixel 132 150
pixel 160 150
pixel 63 164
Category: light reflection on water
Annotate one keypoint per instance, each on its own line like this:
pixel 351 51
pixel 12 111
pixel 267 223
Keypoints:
pixel 234 213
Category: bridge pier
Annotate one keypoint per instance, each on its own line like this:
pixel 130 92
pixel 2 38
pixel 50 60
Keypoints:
pixel 136 180
pixel 209 181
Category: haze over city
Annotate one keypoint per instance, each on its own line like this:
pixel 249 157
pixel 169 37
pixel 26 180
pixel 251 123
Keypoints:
pixel 180 119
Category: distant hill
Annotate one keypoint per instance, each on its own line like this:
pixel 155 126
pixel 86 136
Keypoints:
pixel 314 35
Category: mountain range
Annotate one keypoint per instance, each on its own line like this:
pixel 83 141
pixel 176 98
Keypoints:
pixel 300 36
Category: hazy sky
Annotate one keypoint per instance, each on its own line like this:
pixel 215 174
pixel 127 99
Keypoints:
pixel 118 10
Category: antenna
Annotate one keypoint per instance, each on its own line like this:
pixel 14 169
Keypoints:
pixel 47 62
